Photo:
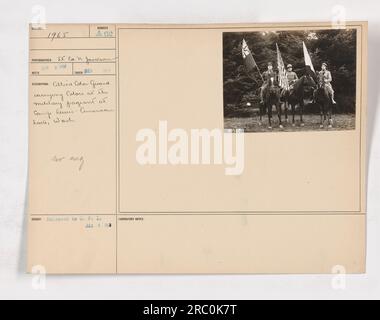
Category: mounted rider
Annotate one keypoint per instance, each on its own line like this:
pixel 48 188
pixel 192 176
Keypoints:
pixel 267 76
pixel 291 76
pixel 324 78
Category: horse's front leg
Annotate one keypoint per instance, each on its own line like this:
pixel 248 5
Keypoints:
pixel 286 110
pixel 301 113
pixel 330 115
pixel 260 115
pixel 293 115
pixel 279 113
pixel 321 114
pixel 269 116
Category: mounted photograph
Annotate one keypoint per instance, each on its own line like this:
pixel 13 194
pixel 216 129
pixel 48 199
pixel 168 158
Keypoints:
pixel 302 80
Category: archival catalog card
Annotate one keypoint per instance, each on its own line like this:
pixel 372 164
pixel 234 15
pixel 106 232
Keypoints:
pixel 197 148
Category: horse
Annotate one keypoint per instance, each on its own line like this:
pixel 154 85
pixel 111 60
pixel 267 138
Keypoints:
pixel 303 87
pixel 271 97
pixel 324 99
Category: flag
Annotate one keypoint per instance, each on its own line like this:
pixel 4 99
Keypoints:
pixel 282 78
pixel 249 61
pixel 308 62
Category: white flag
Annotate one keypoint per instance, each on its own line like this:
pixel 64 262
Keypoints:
pixel 308 61
pixel 250 62
pixel 245 50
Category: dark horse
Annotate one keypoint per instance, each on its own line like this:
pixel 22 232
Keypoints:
pixel 324 99
pixel 302 89
pixel 271 97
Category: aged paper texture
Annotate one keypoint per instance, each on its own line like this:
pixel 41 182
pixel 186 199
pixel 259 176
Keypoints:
pixel 119 177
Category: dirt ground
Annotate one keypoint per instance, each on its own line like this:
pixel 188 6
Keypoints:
pixel 311 123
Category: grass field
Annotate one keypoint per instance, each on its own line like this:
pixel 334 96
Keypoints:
pixel 311 123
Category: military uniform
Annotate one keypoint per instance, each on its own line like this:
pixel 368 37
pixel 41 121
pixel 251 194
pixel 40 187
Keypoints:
pixel 267 75
pixel 292 78
pixel 324 77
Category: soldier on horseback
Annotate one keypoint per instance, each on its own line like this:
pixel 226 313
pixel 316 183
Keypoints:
pixel 324 78
pixel 291 76
pixel 267 76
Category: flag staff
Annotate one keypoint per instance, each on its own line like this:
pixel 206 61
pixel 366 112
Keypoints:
pixel 261 76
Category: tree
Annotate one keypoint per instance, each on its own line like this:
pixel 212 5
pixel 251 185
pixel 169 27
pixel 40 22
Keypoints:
pixel 336 47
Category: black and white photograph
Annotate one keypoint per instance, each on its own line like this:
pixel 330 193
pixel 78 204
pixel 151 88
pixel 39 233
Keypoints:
pixel 303 80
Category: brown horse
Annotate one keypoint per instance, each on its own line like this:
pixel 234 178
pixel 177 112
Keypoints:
pixel 302 89
pixel 271 97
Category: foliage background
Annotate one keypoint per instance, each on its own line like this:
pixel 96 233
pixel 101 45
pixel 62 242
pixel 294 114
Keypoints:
pixel 336 47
